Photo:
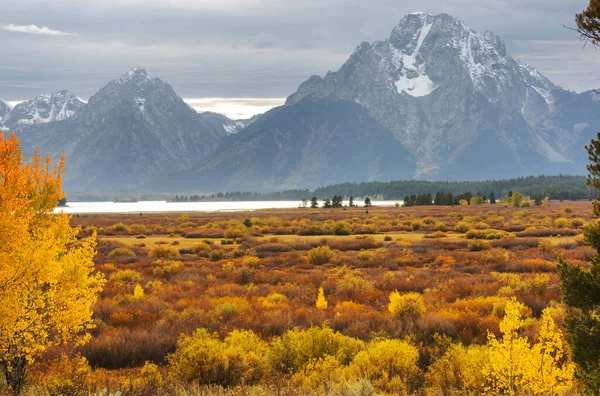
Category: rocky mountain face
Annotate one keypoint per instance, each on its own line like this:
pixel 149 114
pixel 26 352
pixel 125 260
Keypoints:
pixel 317 141
pixel 461 104
pixel 129 133
pixel 43 109
pixel 230 127
pixel 4 109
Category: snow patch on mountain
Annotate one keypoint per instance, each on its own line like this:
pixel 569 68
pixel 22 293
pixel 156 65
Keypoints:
pixel 140 103
pixel 547 95
pixel 417 86
pixel 413 79
pixel 234 127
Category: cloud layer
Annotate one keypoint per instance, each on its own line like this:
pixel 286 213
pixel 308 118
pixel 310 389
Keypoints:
pixel 253 48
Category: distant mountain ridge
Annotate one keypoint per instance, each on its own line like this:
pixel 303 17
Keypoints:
pixel 434 101
pixel 130 132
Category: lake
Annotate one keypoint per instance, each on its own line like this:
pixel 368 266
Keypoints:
pixel 163 206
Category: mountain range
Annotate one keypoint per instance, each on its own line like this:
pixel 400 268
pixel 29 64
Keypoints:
pixel 435 100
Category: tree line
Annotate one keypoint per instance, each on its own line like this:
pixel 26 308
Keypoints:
pixel 560 187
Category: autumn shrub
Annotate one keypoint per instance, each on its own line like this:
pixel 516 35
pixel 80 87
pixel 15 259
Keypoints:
pixel 121 252
pixel 239 359
pixel 163 253
pixel 293 350
pixel 545 246
pixel 458 370
pixel 440 226
pixel 312 230
pixel 320 255
pixel 124 347
pixel 148 381
pixel 342 228
pixel 235 232
pixel 406 305
pixel 478 245
pixel 217 254
pixel 561 222
pixel 417 225
pixel 436 235
pixel 119 227
pixel 428 220
pixel 391 365
pixel 126 276
pixel 462 227
pixel 272 248
pixel 275 300
pixel 321 376
pixel 64 375
pixel 532 265
pixel 577 222
pixel 488 234
pixel 481 226
pixel 348 281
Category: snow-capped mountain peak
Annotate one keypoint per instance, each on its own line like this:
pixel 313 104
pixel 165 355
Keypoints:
pixel 442 88
pixel 49 107
pixel 136 75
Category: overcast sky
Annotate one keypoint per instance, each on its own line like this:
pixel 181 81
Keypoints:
pixel 252 49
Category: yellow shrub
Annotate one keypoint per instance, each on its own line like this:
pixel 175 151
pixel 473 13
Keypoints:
pixel 320 255
pixel 163 252
pixel 408 304
pixel 390 365
pixel 561 222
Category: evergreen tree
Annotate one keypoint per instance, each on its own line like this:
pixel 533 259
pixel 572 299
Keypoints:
pixel 351 201
pixel 492 198
pixel 337 201
pixel 368 202
pixel 580 289
pixel 327 204
pixel 314 203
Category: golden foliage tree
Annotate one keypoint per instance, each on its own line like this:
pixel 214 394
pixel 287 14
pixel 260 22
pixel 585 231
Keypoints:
pixel 321 301
pixel 516 367
pixel 47 279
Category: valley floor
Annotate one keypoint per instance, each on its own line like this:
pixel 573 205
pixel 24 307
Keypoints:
pixel 406 296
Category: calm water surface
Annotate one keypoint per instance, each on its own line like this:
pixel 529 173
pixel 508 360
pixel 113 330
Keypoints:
pixel 163 206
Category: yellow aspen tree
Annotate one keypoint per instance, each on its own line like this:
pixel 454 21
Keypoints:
pixel 517 367
pixel 321 301
pixel 549 371
pixel 47 280
pixel 138 292
pixel 509 355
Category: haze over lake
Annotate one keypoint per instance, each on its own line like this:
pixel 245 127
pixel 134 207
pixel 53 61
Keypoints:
pixel 164 206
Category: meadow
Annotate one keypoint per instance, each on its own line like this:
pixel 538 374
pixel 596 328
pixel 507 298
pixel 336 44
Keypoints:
pixel 386 300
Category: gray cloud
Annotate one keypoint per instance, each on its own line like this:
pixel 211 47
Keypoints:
pixel 254 48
